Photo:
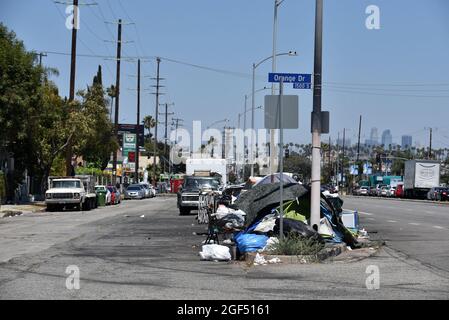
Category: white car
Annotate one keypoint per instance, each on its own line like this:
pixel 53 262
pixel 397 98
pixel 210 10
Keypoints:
pixel 391 192
pixel 153 191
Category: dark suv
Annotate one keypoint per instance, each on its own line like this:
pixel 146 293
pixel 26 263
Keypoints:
pixel 188 196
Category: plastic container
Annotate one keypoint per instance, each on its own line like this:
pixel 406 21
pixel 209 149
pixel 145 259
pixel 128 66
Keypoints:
pixel 101 198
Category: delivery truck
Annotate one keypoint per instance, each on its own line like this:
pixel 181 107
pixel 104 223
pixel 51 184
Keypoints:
pixel 212 165
pixel 419 177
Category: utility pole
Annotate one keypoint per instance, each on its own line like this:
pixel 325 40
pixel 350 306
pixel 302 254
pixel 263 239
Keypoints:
pixel 41 54
pixel 244 130
pixel 155 153
pixel 72 83
pixel 358 142
pixel 343 155
pixel 166 113
pixel 430 144
pixel 138 122
pixel 117 98
pixel 315 211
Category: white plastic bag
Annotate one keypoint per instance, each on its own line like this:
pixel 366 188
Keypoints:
pixel 215 252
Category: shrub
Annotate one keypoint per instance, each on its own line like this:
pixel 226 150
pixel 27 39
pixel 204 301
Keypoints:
pixel 2 186
pixel 295 245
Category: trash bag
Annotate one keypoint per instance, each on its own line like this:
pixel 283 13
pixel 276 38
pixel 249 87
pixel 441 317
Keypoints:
pixel 297 227
pixel 231 221
pixel 247 242
pixel 266 225
pixel 215 252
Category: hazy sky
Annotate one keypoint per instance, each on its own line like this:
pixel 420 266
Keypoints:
pixel 396 77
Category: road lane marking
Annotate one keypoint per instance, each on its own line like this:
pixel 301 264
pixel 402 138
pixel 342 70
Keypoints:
pixel 365 213
pixel 414 224
pixel 392 221
pixel 438 227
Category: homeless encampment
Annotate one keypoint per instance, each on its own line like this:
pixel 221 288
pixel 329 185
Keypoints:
pixel 261 205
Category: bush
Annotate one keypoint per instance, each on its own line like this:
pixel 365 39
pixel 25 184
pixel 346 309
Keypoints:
pixel 2 187
pixel 295 245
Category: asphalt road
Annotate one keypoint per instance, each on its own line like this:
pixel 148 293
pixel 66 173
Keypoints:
pixel 419 230
pixel 122 255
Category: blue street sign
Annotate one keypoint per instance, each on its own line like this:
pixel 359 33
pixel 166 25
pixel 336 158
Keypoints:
pixel 290 77
pixel 299 85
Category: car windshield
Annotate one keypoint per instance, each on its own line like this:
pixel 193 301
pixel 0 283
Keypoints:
pixel 197 183
pixel 134 188
pixel 66 184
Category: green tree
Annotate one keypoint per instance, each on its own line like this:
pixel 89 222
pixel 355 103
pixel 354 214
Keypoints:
pixel 97 142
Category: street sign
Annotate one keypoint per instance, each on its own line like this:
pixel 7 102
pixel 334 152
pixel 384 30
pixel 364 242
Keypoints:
pixel 129 143
pixel 290 78
pixel 302 85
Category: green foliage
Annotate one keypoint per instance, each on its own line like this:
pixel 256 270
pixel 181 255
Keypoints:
pixel 295 245
pixel 2 186
pixel 96 142
pixel 37 124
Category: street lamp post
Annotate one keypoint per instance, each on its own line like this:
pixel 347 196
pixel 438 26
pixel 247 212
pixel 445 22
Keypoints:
pixel 255 65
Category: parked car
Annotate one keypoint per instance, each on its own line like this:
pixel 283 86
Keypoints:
pixel 153 191
pixel 399 191
pixel 115 195
pixel 146 187
pixel 436 193
pixel 379 189
pixel 108 199
pixel 444 195
pixel 384 191
pixel 135 191
pixel 363 191
pixel 391 192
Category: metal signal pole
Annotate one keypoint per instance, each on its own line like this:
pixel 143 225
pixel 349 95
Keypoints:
pixel 315 212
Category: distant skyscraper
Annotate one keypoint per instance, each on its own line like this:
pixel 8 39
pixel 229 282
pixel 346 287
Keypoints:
pixel 374 138
pixel 387 138
pixel 406 142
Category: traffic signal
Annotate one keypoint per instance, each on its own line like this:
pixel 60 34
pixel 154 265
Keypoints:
pixel 131 157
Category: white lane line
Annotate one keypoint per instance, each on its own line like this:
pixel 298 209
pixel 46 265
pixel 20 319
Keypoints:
pixel 408 209
pixel 427 211
pixel 438 227
pixel 414 224
pixel 392 221
pixel 371 219
pixel 366 213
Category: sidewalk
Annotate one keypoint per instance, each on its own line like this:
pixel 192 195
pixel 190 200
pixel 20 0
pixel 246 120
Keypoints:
pixel 13 210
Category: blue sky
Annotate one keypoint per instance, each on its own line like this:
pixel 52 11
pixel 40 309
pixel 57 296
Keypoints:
pixel 396 77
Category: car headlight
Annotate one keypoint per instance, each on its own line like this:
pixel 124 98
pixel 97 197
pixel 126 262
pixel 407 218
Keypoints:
pixel 76 196
pixel 48 195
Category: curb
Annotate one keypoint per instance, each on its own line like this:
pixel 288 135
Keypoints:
pixel 326 253
pixel 438 203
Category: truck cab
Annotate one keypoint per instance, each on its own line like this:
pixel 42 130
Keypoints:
pixel 188 195
pixel 71 193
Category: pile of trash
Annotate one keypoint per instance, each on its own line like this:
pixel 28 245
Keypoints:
pixel 254 218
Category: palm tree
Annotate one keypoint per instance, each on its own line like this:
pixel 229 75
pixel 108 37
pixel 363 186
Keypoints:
pixel 149 122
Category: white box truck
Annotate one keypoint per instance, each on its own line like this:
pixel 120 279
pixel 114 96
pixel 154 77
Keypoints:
pixel 211 164
pixel 420 176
